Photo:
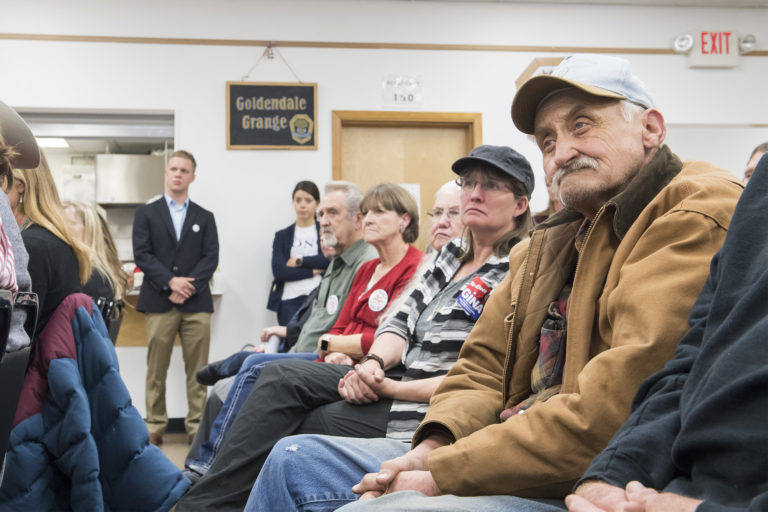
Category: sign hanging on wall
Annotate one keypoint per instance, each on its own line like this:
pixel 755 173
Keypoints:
pixel 402 91
pixel 714 49
pixel 271 115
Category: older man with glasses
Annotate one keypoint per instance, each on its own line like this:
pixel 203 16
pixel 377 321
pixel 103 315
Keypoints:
pixel 445 216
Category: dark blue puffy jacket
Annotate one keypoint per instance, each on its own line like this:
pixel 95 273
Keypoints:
pixel 78 443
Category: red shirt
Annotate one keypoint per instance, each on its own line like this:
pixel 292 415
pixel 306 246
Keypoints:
pixel 362 308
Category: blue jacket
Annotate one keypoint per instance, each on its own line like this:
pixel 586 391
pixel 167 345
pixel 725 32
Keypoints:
pixel 78 443
pixel 281 252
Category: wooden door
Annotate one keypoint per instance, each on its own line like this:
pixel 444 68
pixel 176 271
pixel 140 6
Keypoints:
pixel 414 148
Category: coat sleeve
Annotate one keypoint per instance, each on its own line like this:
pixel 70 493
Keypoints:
pixel 281 253
pixel 155 272
pixel 69 439
pixel 470 397
pixel 317 261
pixel 641 448
pixel 542 452
pixel 209 256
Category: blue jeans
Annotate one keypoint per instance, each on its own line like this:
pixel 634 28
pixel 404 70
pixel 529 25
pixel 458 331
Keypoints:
pixel 244 381
pixel 231 365
pixel 310 472
pixel 412 501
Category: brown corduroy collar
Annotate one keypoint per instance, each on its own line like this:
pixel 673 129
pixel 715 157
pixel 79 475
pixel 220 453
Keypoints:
pixel 640 190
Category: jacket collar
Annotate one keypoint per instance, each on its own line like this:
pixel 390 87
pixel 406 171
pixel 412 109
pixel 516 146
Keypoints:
pixel 628 204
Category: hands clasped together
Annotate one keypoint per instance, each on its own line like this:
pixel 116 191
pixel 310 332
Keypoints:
pixel 405 473
pixel 366 383
pixel 181 289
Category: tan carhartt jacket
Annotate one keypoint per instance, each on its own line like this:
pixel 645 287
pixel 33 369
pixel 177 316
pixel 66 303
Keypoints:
pixel 640 265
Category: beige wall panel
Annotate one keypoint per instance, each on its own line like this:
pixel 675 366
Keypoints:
pixel 403 154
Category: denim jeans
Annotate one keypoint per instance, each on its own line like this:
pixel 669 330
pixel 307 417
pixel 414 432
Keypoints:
pixel 310 472
pixel 316 473
pixel 247 376
pixel 412 501
pixel 231 365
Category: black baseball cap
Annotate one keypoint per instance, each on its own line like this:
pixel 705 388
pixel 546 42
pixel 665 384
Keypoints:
pixel 503 158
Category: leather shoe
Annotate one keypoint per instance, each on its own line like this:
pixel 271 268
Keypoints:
pixel 155 439
pixel 207 376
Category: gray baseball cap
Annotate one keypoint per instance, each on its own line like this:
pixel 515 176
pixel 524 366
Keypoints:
pixel 503 158
pixel 17 134
pixel 599 75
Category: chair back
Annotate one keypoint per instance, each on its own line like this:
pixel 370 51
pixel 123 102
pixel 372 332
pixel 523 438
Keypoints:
pixel 13 366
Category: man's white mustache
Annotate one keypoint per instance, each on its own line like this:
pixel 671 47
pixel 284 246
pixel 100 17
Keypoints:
pixel 583 162
pixel 328 238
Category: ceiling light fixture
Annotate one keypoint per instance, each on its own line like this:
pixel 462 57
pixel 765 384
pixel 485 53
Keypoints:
pixel 683 43
pixel 52 142
pixel 747 43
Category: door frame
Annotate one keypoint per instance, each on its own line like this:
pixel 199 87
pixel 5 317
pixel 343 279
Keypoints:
pixel 472 121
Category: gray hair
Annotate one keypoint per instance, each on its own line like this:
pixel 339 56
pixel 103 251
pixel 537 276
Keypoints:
pixel 629 110
pixel 352 192
pixel 762 148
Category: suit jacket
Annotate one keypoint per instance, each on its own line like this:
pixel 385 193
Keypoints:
pixel 160 256
pixel 281 252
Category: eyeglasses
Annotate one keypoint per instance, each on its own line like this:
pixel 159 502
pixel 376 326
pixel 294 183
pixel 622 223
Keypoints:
pixel 491 187
pixel 438 213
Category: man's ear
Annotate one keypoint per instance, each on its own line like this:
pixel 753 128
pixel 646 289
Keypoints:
pixel 654 128
pixel 358 221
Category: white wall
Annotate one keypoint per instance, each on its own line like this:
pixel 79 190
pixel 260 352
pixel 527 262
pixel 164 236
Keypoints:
pixel 249 191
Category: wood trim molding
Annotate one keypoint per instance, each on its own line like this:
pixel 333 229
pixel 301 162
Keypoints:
pixel 535 64
pixel 341 118
pixel 347 45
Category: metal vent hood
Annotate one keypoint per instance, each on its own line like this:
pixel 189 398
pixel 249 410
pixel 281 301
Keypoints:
pixel 128 179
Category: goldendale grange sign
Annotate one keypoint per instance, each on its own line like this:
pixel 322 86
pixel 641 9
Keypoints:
pixel 271 115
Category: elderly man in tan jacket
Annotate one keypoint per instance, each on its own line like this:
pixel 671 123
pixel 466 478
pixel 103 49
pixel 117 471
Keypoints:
pixel 594 303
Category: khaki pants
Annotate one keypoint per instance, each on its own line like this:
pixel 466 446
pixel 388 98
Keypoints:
pixel 194 330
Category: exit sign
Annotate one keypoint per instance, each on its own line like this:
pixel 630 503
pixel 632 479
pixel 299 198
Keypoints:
pixel 714 49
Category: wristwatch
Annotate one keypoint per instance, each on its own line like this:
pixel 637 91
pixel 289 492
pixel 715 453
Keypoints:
pixel 373 357
pixel 299 261
pixel 324 342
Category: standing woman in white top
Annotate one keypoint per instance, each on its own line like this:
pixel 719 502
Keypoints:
pixel 297 261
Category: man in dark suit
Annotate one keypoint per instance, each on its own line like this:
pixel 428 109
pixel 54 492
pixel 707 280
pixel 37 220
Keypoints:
pixel 176 245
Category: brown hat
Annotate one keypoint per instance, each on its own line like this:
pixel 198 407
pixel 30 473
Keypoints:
pixel 599 75
pixel 17 134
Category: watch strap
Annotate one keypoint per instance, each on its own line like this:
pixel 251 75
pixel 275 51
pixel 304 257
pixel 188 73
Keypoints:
pixel 373 357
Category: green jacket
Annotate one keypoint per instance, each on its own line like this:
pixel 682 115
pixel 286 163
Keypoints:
pixel 335 283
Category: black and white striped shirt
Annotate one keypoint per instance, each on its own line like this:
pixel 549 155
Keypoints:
pixel 449 326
